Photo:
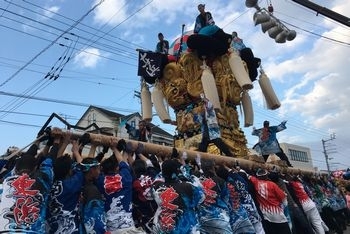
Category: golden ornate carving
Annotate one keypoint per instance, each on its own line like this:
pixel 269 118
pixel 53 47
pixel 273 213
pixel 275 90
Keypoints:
pixel 174 85
pixel 182 86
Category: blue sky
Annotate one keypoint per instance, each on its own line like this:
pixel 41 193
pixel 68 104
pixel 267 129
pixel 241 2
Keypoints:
pixel 309 74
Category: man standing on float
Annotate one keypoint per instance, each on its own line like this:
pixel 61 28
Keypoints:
pixel 268 143
pixel 210 129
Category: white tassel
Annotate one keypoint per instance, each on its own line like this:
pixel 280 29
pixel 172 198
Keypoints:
pixel 158 102
pixel 239 71
pixel 209 86
pixel 272 101
pixel 146 103
pixel 247 109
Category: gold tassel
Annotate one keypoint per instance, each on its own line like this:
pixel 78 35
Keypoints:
pixel 146 103
pixel 239 71
pixel 158 102
pixel 272 101
pixel 247 109
pixel 209 86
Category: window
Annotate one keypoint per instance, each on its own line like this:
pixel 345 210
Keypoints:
pixel 133 124
pixel 93 117
pixel 89 119
pixel 297 155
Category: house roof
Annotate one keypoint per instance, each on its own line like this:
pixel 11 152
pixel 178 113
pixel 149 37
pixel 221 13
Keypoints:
pixel 115 115
pixel 109 113
pixel 158 130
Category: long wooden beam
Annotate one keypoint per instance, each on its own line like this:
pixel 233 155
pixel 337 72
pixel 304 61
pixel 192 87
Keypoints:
pixel 161 150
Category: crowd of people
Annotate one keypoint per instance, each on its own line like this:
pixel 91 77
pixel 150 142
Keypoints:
pixel 121 190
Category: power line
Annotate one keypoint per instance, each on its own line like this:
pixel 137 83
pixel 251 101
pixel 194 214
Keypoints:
pixel 127 18
pixel 65 102
pixel 325 11
pixel 88 39
pixel 107 48
pixel 297 125
pixel 305 9
pixel 86 78
pixel 316 34
pixel 88 26
pixel 52 43
pixel 122 51
pixel 312 24
pixel 20 124
pixel 41 53
pixel 80 79
pixel 24 113
pixel 240 15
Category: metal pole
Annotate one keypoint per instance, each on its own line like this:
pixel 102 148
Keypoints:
pixel 326 153
pixel 324 11
pixel 326 156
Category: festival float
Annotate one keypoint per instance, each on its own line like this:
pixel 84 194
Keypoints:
pixel 200 65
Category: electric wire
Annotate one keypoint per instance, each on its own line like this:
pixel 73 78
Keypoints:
pixel 95 41
pixel 52 76
pixel 96 30
pixel 52 43
pixel 316 14
pixel 318 35
pixel 104 47
pixel 36 88
pixel 86 78
pixel 311 24
pixel 135 13
pixel 20 124
pixel 80 104
pixel 92 28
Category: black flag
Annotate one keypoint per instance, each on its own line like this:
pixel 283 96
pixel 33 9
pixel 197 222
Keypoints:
pixel 151 65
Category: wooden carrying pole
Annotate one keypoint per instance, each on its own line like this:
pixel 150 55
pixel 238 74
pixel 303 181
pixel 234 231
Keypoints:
pixel 160 150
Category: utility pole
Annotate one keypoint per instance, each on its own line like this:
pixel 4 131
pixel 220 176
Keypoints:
pixel 332 137
pixel 137 94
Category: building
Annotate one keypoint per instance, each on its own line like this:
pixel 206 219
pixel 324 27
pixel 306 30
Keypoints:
pixel 113 124
pixel 299 156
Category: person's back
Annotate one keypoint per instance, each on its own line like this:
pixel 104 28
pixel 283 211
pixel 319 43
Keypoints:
pixel 213 212
pixel 308 206
pixel 298 219
pixel 115 183
pixel 239 219
pixel 301 194
pixel 25 195
pixel 144 205
pixel 271 200
pixel 117 190
pixel 176 201
pixel 176 207
pixel 92 210
pixel 246 200
pixel 63 214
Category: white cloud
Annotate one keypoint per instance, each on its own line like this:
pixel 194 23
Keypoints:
pixel 110 12
pixel 88 58
pixel 51 11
